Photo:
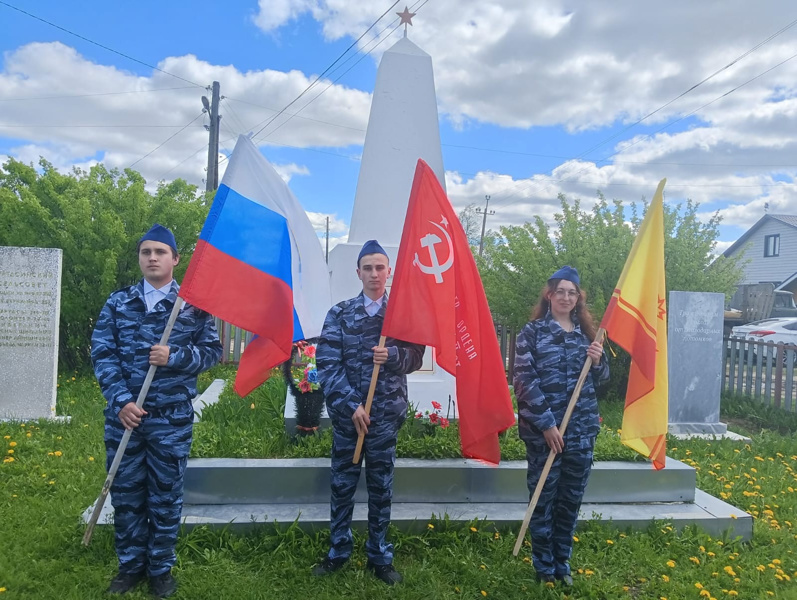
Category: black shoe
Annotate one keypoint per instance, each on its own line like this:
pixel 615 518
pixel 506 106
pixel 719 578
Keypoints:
pixel 124 582
pixel 546 578
pixel 328 565
pixel 163 586
pixel 566 580
pixel 385 573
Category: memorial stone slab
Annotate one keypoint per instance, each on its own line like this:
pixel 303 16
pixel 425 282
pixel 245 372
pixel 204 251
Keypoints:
pixel 695 362
pixel 30 302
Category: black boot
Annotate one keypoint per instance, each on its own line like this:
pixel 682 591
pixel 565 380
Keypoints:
pixel 124 582
pixel 163 586
pixel 385 573
pixel 328 565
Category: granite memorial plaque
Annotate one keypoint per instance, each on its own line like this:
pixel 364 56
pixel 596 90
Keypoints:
pixel 30 301
pixel 695 362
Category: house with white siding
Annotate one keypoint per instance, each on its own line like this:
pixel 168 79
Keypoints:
pixel 770 250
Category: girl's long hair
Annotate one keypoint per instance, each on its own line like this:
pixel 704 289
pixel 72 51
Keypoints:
pixel 580 313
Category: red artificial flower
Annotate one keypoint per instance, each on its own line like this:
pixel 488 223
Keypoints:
pixel 309 351
pixel 444 422
pixel 433 418
pixel 418 415
pixel 305 386
pixel 437 405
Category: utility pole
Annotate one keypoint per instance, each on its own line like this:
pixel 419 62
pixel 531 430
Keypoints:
pixel 484 212
pixel 212 181
pixel 327 240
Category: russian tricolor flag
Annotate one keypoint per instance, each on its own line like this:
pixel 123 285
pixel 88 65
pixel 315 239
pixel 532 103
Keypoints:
pixel 258 265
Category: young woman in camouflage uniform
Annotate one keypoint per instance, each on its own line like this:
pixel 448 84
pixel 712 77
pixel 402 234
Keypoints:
pixel 551 351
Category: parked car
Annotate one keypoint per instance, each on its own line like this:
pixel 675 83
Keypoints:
pixel 769 330
pixel 743 331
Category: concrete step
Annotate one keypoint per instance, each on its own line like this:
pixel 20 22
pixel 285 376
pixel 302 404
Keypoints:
pixel 306 481
pixel 711 514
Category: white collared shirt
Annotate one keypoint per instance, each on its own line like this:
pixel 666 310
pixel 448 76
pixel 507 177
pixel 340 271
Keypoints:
pixel 372 306
pixel 153 295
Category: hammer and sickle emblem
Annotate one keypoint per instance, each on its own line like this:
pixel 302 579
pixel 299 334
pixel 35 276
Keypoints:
pixel 429 241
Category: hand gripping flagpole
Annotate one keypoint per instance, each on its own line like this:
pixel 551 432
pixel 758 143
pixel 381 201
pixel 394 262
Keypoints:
pixel 548 463
pixel 106 487
pixel 371 389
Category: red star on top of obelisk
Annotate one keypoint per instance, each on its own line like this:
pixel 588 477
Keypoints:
pixel 406 18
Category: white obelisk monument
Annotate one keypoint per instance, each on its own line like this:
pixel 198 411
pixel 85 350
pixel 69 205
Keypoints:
pixel 403 127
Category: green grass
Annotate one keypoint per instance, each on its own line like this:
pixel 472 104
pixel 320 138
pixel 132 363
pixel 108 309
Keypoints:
pixel 42 496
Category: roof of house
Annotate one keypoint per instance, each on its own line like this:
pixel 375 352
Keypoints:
pixel 790 220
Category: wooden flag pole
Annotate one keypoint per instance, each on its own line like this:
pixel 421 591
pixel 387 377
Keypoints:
pixel 371 389
pixel 548 463
pixel 106 487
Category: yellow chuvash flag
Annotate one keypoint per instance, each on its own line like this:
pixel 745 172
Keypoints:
pixel 636 320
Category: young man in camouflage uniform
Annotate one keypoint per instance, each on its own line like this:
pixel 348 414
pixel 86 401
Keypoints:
pixel 346 354
pixel 147 493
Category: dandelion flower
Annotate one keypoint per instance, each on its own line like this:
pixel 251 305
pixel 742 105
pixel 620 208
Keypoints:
pixel 91 458
pixel 575 538
pixel 11 451
pixel 729 570
pixel 671 564
pixel 665 578
pixel 58 453
pixel 430 526
pixel 473 529
pixel 694 559
pixel 12 444
pixel 610 542
pixel 699 585
pixel 484 593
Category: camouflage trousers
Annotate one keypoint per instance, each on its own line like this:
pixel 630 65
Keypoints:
pixel 379 451
pixel 147 492
pixel 554 520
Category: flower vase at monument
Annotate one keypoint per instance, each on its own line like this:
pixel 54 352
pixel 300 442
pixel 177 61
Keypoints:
pixel 301 376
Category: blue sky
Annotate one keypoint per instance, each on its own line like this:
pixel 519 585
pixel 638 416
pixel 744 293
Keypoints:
pixel 523 92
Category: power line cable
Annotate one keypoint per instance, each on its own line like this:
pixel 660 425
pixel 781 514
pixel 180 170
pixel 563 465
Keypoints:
pixel 378 37
pixel 104 47
pixel 318 78
pixel 185 87
pixel 734 61
pixel 691 89
pixel 650 135
pixel 175 134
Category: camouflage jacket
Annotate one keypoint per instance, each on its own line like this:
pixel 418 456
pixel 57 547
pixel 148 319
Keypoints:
pixel 345 363
pixel 122 339
pixel 548 362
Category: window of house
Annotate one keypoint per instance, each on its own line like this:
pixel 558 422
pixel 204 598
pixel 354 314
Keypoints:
pixel 772 245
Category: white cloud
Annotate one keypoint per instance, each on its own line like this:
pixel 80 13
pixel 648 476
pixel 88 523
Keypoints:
pixel 274 13
pixel 120 129
pixel 289 170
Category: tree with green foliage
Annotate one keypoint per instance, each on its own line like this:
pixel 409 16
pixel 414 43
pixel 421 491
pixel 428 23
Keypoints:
pixel 518 262
pixel 96 217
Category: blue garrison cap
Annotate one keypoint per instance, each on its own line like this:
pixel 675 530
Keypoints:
pixel 370 247
pixel 568 273
pixel 158 233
